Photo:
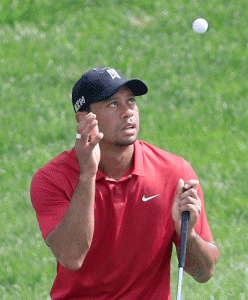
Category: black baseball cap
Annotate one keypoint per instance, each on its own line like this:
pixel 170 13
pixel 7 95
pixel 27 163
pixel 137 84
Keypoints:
pixel 99 84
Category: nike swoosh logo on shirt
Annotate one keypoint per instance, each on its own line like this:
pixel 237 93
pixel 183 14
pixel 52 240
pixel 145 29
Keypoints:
pixel 149 198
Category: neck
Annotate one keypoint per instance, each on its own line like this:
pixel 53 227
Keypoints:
pixel 116 161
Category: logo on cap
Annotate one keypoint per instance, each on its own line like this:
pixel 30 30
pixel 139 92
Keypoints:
pixel 79 103
pixel 113 73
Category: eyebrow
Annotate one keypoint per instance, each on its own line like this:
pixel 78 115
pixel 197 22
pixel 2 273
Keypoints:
pixel 114 98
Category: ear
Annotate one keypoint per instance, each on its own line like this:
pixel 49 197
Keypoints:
pixel 80 115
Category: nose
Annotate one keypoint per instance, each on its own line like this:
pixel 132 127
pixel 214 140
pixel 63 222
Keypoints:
pixel 126 112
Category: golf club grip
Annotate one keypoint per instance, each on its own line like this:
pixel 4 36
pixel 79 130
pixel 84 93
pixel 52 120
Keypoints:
pixel 183 242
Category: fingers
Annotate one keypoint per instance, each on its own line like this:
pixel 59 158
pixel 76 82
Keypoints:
pixel 87 147
pixel 96 140
pixel 190 201
pixel 86 133
pixel 88 128
pixel 186 199
pixel 192 183
pixel 182 186
pixel 86 125
pixel 94 132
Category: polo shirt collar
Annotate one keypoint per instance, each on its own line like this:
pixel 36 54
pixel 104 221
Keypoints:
pixel 138 165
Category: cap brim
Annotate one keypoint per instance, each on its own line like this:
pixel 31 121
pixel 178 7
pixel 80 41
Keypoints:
pixel 137 86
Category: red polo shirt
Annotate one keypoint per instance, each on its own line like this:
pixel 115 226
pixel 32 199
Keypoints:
pixel 131 249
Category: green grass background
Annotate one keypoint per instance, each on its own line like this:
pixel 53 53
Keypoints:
pixel 196 108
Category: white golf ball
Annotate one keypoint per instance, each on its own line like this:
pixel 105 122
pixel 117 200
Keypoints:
pixel 200 25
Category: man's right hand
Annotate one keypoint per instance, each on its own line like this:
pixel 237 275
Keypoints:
pixel 87 148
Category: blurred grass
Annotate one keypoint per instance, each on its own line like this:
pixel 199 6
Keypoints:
pixel 196 108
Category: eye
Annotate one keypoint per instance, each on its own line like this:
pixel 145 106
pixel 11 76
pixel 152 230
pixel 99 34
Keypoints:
pixel 113 104
pixel 131 100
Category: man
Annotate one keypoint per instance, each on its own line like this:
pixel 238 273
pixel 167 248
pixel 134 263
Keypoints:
pixel 111 207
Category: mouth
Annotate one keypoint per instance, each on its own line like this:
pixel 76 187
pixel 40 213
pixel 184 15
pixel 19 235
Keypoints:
pixel 129 128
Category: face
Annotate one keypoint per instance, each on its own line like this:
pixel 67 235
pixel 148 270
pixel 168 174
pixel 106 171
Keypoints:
pixel 118 118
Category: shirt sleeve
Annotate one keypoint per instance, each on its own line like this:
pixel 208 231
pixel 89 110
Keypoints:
pixel 202 226
pixel 49 200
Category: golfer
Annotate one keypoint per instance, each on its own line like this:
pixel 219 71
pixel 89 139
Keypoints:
pixel 110 208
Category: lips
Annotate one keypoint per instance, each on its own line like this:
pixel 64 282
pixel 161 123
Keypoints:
pixel 129 126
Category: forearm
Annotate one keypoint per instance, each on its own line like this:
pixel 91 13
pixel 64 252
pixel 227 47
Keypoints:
pixel 71 239
pixel 201 257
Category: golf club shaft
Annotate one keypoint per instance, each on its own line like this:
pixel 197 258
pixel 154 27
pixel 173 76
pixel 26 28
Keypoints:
pixel 179 283
pixel 182 251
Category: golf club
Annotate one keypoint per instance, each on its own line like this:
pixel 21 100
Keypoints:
pixel 182 251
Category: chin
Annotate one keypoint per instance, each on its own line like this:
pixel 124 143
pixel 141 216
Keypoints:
pixel 125 142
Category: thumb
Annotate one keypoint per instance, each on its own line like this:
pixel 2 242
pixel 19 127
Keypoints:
pixel 180 187
pixel 175 209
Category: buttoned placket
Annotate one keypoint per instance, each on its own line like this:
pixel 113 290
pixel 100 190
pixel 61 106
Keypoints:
pixel 117 187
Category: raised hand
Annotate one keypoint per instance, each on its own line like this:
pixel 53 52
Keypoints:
pixel 87 147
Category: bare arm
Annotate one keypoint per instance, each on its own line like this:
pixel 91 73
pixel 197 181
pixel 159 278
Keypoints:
pixel 201 258
pixel 71 239
pixel 201 255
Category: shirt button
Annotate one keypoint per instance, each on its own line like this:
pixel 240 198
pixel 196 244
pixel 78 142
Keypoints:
pixel 129 176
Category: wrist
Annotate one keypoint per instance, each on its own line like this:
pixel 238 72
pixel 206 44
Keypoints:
pixel 192 235
pixel 87 177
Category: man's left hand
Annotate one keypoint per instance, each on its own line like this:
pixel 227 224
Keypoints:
pixel 186 199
